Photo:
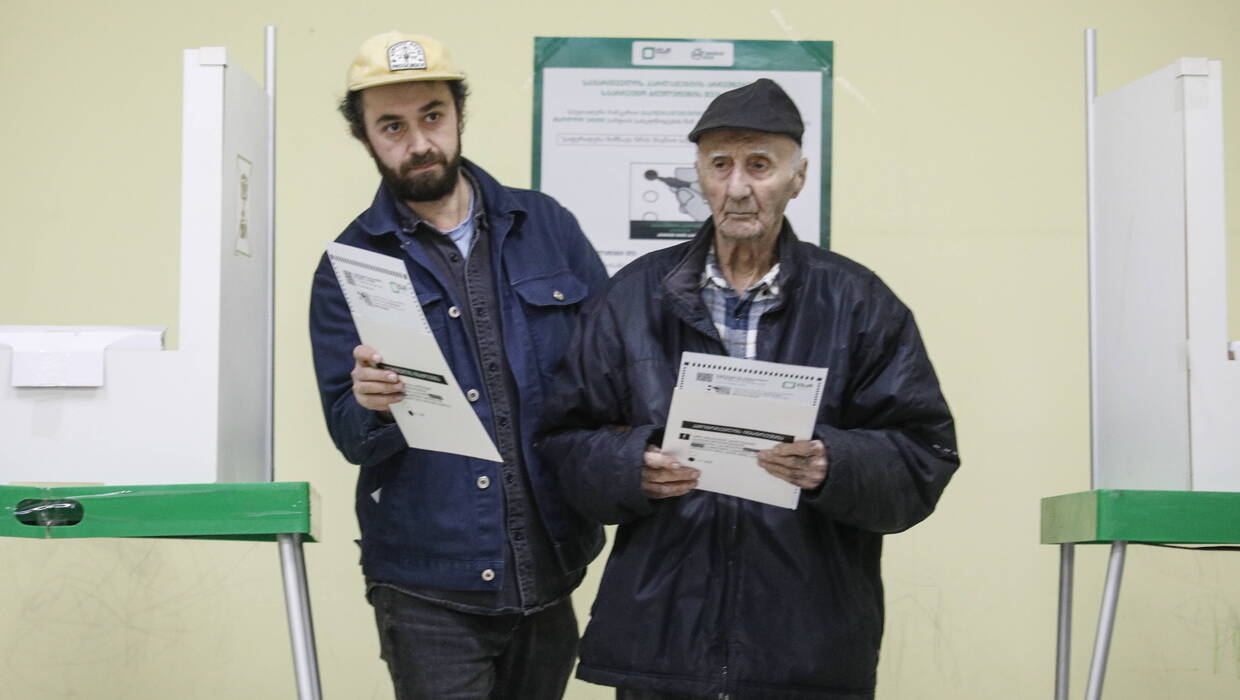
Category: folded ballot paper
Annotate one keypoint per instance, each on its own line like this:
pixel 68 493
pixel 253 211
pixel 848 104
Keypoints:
pixel 725 410
pixel 434 414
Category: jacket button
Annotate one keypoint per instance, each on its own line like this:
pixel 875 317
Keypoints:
pixel 484 481
pixel 472 395
pixel 559 296
pixel 454 312
pixel 488 575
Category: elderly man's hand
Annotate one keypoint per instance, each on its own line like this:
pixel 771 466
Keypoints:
pixel 803 463
pixel 664 477
pixel 374 388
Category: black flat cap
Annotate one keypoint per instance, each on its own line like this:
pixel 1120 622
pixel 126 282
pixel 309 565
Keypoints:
pixel 759 106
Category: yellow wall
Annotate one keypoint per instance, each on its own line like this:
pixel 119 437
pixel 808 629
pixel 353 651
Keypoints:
pixel 958 176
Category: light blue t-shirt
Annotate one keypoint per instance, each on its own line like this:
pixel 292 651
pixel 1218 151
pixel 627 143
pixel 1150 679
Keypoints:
pixel 463 234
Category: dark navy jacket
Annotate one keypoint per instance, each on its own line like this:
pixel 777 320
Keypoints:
pixel 707 594
pixel 433 527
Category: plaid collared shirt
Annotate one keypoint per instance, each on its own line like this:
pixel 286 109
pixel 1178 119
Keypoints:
pixel 736 315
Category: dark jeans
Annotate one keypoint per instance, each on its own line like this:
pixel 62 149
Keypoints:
pixel 437 653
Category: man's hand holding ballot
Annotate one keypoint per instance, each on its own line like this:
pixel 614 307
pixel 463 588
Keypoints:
pixel 433 411
pixel 373 387
pixel 802 463
pixel 664 477
pixel 727 411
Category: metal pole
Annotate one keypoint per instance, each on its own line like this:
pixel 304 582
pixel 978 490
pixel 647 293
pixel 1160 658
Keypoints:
pixel 1106 621
pixel 269 83
pixel 1063 650
pixel 300 622
pixel 1091 92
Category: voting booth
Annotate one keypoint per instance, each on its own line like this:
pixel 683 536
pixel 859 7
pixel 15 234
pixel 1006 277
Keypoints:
pixel 114 405
pixel 1165 378
pixel 179 437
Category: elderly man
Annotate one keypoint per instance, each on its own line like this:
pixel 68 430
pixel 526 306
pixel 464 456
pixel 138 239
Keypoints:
pixel 707 595
pixel 469 563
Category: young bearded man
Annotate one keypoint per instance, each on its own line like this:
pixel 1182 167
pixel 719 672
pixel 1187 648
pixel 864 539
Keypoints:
pixel 469 563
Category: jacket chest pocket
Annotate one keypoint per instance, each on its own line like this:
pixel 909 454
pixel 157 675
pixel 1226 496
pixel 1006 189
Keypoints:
pixel 435 310
pixel 549 303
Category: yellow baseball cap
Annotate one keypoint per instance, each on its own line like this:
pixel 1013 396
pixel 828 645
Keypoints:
pixel 395 57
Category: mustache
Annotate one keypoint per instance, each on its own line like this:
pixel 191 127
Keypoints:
pixel 420 161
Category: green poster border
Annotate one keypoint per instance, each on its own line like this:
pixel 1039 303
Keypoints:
pixel 748 54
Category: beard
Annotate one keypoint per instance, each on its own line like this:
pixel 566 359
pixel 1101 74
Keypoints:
pixel 424 186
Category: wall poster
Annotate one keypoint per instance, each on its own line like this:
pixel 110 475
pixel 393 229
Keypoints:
pixel 611 120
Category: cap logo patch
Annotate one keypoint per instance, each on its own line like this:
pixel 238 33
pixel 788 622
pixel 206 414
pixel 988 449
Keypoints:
pixel 406 55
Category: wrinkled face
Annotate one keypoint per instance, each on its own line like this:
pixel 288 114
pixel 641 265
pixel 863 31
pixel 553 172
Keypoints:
pixel 413 134
pixel 748 178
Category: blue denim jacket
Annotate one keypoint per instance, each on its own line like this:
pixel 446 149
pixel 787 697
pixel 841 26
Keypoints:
pixel 431 525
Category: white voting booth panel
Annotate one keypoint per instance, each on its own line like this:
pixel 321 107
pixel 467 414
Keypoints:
pixel 1166 395
pixel 110 405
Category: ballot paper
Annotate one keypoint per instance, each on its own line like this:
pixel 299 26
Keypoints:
pixel 434 415
pixel 725 410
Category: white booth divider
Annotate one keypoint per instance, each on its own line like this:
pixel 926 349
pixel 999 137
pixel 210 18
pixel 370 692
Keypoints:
pixel 1165 384
pixel 110 405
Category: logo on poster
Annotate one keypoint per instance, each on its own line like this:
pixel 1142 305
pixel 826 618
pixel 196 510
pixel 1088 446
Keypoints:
pixel 713 54
pixel 706 55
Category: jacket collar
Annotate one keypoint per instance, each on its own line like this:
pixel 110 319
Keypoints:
pixel 384 215
pixel 682 284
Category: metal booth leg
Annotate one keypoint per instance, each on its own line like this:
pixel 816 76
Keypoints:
pixel 1106 621
pixel 300 624
pixel 1063 649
